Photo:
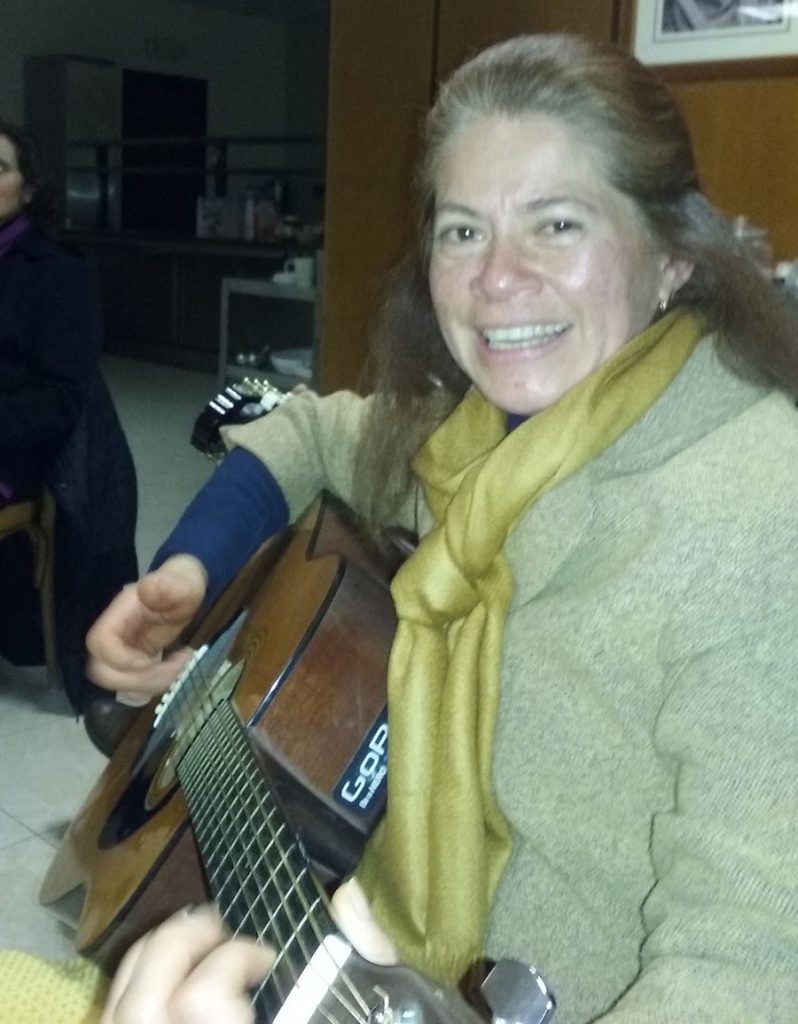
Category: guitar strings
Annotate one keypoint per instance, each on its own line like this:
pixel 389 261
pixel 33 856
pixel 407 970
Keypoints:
pixel 200 699
pixel 310 894
pixel 194 694
pixel 187 704
pixel 294 925
pixel 215 830
pixel 197 694
pixel 228 733
pixel 302 885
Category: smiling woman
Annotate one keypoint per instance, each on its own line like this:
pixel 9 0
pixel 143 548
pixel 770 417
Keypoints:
pixel 540 270
pixel 603 592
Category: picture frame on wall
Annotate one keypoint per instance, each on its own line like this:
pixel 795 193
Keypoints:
pixel 674 32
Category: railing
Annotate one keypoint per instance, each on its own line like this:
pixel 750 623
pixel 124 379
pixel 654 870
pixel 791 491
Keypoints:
pixel 98 169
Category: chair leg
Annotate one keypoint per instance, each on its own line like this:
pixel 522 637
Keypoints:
pixel 47 588
pixel 42 537
pixel 47 599
pixel 37 518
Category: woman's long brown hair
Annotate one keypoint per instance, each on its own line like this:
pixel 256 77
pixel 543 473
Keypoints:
pixel 630 118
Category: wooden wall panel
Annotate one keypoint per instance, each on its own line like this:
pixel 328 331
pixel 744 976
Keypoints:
pixel 381 55
pixel 743 118
pixel 745 133
pixel 466 26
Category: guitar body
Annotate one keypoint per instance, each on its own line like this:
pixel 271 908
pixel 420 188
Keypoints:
pixel 304 669
pixel 263 768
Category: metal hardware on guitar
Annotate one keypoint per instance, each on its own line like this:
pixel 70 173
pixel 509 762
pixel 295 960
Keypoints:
pixel 341 987
pixel 517 994
pixel 241 402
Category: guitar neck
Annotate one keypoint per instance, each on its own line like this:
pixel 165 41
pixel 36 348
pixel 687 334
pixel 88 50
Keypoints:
pixel 255 867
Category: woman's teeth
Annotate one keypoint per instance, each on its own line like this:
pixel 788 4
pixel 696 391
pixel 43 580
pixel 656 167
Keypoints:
pixel 528 336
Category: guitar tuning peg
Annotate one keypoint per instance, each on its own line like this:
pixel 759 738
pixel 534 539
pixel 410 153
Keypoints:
pixel 516 994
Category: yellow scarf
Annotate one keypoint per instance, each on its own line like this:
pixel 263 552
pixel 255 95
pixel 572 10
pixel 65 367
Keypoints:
pixel 432 867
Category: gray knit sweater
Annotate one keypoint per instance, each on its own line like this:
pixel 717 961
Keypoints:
pixel 646 753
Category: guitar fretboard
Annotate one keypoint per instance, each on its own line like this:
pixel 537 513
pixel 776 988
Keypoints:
pixel 256 869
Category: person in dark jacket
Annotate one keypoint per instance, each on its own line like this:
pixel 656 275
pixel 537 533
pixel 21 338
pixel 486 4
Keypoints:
pixel 50 329
pixel 58 426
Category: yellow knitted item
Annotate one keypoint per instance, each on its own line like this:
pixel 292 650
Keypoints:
pixel 36 991
pixel 432 867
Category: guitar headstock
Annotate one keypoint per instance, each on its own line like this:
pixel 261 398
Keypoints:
pixel 240 402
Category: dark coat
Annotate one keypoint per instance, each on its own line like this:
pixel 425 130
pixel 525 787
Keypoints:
pixel 58 427
pixel 50 338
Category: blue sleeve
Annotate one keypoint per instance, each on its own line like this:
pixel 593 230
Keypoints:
pixel 230 517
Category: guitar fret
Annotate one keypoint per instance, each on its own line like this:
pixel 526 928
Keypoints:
pixel 257 872
pixel 230 867
pixel 288 967
pixel 242 909
pixel 255 843
pixel 238 863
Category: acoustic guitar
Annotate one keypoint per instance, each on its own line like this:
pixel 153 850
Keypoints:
pixel 256 781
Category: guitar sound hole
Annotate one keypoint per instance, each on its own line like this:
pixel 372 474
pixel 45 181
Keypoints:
pixel 136 805
pixel 153 778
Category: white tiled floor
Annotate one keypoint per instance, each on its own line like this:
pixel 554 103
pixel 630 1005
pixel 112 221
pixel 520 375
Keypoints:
pixel 47 764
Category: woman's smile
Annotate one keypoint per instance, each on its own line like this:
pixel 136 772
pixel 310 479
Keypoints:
pixel 523 337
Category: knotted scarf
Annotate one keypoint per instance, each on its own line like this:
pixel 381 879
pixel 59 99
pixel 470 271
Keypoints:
pixel 433 866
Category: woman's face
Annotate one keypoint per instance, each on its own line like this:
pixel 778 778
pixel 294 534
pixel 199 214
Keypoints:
pixel 540 269
pixel 14 193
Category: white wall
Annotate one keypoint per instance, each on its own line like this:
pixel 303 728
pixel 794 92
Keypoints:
pixel 243 57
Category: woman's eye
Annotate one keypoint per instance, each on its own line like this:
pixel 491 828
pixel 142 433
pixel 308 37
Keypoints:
pixel 560 227
pixel 458 234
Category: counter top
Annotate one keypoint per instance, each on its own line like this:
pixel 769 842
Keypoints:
pixel 189 246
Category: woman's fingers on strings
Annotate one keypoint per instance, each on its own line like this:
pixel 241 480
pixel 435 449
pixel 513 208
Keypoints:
pixel 160 961
pixel 155 678
pixel 187 971
pixel 220 985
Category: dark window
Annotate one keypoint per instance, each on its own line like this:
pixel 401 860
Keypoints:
pixel 162 106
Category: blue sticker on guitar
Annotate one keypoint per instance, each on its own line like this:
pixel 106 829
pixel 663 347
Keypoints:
pixel 363 785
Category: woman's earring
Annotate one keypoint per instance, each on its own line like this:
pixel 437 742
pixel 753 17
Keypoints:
pixel 662 305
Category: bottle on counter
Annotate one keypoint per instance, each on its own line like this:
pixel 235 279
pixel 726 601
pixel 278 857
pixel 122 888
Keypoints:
pixel 250 214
